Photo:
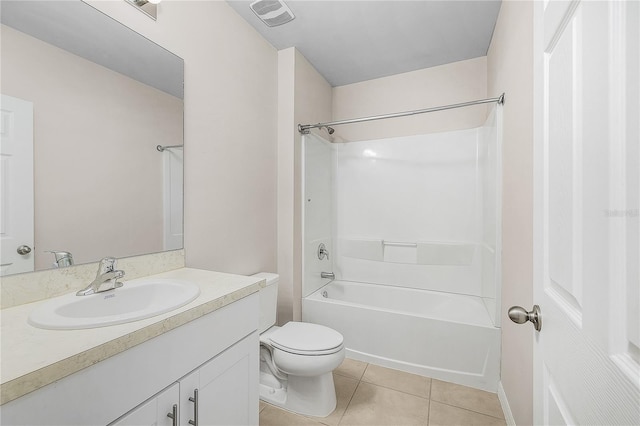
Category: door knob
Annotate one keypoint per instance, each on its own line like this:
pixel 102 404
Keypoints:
pixel 519 315
pixel 22 250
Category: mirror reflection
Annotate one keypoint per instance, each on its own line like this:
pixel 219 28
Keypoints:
pixel 85 103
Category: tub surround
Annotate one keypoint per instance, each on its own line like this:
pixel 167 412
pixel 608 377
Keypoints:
pixel 33 358
pixel 416 211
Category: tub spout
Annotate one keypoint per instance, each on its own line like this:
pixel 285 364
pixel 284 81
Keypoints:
pixel 329 275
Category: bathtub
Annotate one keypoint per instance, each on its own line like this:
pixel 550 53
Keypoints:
pixel 441 335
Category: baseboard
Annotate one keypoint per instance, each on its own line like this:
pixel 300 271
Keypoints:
pixel 504 402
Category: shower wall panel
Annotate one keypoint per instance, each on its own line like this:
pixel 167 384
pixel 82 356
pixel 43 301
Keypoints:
pixel 409 211
pixel 318 204
pixel 491 184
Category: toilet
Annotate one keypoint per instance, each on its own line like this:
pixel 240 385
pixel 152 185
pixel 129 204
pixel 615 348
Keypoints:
pixel 297 359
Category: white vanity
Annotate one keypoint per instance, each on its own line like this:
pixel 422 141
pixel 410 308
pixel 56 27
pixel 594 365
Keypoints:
pixel 195 365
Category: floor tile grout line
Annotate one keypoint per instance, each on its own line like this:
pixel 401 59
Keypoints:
pixel 349 403
pixel 346 375
pixel 466 409
pixel 430 393
pixel 393 389
pixel 352 377
pixel 284 410
pixel 397 390
pixel 364 372
pixel 354 392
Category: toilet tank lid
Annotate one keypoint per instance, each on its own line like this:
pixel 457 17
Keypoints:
pixel 271 278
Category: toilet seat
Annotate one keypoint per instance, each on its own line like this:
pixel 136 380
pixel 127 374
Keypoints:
pixel 303 338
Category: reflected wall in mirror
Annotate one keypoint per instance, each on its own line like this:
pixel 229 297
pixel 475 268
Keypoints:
pixel 103 97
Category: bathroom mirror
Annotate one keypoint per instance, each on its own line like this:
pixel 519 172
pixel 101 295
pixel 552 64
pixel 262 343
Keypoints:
pixel 103 98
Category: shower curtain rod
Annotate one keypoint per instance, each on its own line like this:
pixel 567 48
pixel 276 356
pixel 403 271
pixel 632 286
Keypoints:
pixel 162 148
pixel 304 128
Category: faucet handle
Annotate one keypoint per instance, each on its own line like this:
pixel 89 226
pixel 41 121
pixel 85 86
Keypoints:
pixel 117 276
pixel 107 264
pixel 322 252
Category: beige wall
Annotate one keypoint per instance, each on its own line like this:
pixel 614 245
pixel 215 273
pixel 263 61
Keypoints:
pixel 430 87
pixel 304 96
pixel 230 130
pixel 98 186
pixel 510 70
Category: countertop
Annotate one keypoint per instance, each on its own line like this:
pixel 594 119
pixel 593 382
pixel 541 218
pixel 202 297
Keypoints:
pixel 32 357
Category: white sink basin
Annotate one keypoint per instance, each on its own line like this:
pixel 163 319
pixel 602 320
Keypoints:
pixel 134 301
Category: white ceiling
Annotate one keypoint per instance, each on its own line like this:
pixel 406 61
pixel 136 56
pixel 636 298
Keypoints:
pixel 352 41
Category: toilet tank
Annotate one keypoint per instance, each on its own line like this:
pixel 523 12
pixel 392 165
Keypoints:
pixel 268 300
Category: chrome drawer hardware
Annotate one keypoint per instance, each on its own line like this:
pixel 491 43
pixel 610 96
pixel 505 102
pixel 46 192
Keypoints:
pixel 194 399
pixel 173 415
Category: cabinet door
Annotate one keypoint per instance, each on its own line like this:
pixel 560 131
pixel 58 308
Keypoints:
pixel 154 411
pixel 227 387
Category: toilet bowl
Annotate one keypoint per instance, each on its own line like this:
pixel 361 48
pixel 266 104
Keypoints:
pixel 296 360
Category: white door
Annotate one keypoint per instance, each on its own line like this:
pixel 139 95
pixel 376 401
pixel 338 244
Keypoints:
pixel 587 355
pixel 16 185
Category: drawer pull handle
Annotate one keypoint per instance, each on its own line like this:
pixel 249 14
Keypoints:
pixel 174 415
pixel 194 399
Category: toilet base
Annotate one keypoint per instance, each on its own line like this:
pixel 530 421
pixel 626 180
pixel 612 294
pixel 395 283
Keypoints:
pixel 310 396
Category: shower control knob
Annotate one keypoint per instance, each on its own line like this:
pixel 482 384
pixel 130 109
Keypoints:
pixel 519 315
pixel 322 252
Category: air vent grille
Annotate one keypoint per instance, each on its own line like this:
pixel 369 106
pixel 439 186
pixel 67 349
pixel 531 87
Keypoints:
pixel 272 12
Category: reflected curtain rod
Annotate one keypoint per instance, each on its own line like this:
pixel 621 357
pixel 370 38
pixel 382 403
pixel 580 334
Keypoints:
pixel 162 148
pixel 304 128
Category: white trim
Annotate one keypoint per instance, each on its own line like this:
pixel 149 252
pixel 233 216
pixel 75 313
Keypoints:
pixel 539 64
pixel 506 409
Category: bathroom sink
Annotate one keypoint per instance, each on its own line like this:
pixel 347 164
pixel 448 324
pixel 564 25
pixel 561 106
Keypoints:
pixel 134 301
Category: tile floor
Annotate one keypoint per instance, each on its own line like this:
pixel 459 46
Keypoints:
pixel 372 395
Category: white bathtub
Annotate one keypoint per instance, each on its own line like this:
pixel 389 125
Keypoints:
pixel 441 335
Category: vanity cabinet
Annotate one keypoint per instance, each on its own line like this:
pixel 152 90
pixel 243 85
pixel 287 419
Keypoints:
pixel 154 411
pixel 220 392
pixel 217 354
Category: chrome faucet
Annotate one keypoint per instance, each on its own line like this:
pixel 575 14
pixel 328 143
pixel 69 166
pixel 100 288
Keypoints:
pixel 63 259
pixel 106 278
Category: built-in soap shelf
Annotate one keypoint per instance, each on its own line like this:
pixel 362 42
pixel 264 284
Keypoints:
pixel 417 253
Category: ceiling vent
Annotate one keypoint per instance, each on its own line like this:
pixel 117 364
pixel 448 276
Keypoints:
pixel 272 12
